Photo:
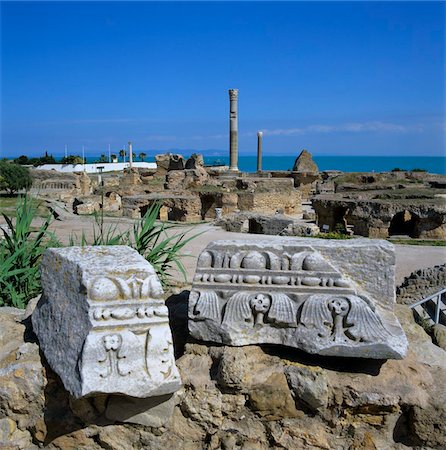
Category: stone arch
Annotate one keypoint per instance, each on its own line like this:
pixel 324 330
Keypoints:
pixel 404 223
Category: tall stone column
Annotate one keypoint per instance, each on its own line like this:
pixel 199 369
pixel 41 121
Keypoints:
pixel 233 129
pixel 259 150
pixel 130 154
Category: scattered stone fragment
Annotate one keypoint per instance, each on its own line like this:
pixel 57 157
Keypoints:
pixel 102 323
pixel 326 297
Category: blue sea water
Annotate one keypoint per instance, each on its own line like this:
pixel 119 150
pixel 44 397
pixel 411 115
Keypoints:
pixel 248 163
pixel 433 164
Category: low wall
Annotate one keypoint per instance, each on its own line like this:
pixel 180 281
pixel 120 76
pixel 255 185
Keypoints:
pixel 93 168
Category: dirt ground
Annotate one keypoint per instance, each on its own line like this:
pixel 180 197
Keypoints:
pixel 408 257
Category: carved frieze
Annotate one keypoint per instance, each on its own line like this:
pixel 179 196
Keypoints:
pixel 299 293
pixel 102 322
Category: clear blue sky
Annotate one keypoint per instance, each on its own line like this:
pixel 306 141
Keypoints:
pixel 363 78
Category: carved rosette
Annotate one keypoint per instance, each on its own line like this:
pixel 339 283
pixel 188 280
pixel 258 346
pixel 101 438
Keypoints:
pixel 289 294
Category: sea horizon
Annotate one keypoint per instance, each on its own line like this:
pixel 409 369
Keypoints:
pixel 344 163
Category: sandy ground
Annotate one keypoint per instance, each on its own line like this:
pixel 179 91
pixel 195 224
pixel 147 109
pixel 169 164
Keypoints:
pixel 408 257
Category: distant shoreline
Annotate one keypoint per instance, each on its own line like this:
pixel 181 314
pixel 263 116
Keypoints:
pixel 248 163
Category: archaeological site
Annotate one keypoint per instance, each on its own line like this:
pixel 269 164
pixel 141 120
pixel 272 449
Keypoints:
pixel 325 332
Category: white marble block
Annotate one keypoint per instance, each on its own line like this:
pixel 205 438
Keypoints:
pixel 102 323
pixel 322 296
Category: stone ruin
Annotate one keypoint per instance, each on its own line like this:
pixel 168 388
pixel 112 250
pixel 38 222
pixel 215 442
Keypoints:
pixel 102 323
pixel 326 297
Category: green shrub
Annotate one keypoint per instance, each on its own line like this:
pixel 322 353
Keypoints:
pixel 20 251
pixel 14 177
pixel 419 170
pixel 148 237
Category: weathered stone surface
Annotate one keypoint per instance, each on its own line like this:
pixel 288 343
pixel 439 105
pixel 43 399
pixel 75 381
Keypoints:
pixel 195 161
pixel 326 297
pixel 394 405
pixel 273 399
pixel 309 385
pixel 440 335
pixel 168 161
pixel 304 163
pixel 85 206
pixel 151 412
pixel 102 323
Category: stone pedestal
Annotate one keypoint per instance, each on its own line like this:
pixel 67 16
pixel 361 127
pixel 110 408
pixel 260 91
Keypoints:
pixel 102 323
pixel 326 297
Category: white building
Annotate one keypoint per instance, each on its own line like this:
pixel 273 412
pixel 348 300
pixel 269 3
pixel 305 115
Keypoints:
pixel 94 168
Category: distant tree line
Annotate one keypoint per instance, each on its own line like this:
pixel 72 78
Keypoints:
pixel 23 160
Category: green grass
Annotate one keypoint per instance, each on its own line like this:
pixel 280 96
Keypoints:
pixel 8 206
pixel 430 242
pixel 332 235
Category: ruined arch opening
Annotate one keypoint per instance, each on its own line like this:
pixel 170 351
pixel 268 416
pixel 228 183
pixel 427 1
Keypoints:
pixel 340 219
pixel 404 223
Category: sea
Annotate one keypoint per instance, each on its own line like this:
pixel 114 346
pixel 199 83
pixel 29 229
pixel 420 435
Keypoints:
pixel 248 163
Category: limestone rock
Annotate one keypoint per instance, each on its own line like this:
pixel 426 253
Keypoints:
pixel 273 399
pixel 175 180
pixel 326 297
pixel 22 376
pixel 301 433
pixel 240 369
pixel 85 206
pixel 419 341
pixel 150 412
pixel 440 335
pixel 112 202
pixel 195 161
pixel 102 322
pixel 168 161
pixel 304 163
pixel 309 385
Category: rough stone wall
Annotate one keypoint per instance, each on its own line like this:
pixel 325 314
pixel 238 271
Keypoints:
pixel 289 201
pixel 246 398
pixel 372 218
pixel 421 284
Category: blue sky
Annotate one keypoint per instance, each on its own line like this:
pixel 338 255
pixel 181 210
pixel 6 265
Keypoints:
pixel 350 78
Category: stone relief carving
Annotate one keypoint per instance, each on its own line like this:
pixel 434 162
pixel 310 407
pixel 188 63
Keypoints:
pixel 347 319
pixel 291 292
pixel 104 306
pixel 113 355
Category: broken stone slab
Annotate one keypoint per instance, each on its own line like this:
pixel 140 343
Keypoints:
pixel 102 323
pixel 322 296
pixel 150 412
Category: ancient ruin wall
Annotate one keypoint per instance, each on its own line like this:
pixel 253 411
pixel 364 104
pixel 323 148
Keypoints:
pixel 420 284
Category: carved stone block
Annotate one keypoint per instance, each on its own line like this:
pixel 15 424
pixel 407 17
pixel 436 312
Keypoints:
pixel 321 296
pixel 102 323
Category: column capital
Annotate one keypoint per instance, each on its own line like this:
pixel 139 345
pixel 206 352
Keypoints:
pixel 233 94
pixel 259 134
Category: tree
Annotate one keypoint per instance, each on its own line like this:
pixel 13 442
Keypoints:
pixel 114 158
pixel 142 155
pixel 103 158
pixel 14 177
pixel 72 159
pixel 47 159
pixel 122 154
pixel 22 159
